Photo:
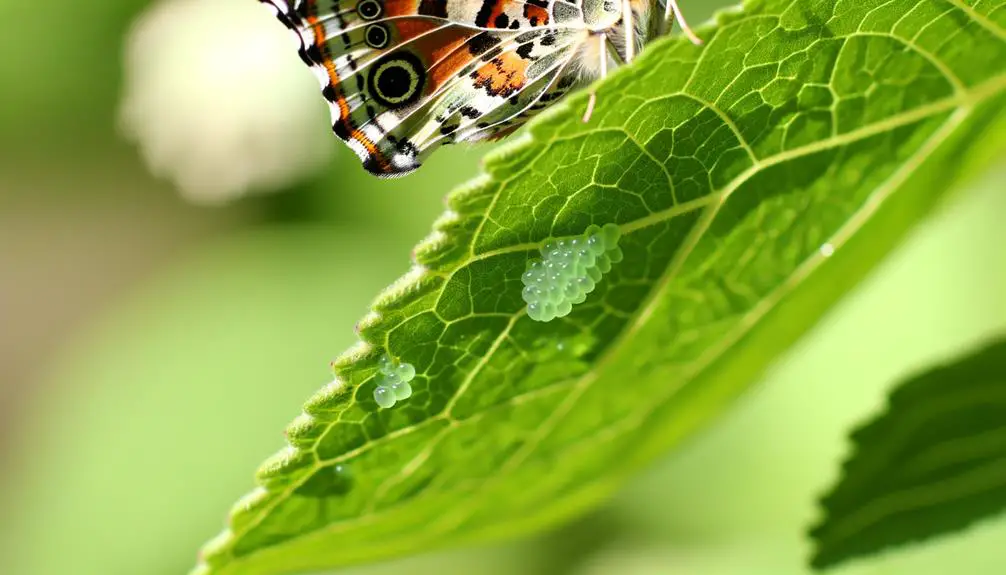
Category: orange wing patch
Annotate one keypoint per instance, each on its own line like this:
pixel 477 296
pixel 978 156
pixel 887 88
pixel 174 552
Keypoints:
pixel 492 15
pixel 536 14
pixel 410 28
pixel 502 76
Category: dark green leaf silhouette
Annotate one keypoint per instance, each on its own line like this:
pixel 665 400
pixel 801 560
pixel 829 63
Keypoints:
pixel 933 463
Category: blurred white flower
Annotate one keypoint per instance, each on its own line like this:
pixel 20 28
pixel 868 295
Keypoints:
pixel 218 100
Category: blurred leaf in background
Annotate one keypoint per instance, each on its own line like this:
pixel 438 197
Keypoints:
pixel 933 463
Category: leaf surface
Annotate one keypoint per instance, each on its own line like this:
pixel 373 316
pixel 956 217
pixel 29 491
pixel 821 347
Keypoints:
pixel 933 463
pixel 804 128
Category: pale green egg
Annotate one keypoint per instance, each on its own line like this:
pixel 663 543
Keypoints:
pixel 534 311
pixel 532 294
pixel 386 364
pixel 612 233
pixel 384 397
pixel 401 391
pixel 563 308
pixel 603 263
pixel 615 255
pixel 405 372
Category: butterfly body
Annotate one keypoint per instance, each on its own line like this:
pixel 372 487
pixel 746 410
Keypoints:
pixel 403 77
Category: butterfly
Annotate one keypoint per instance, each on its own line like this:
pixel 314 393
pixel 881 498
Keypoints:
pixel 403 77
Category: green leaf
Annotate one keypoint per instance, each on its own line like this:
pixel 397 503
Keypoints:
pixel 932 464
pixel 800 124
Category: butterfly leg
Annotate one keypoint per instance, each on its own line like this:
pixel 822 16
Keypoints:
pixel 603 51
pixel 673 13
pixel 630 29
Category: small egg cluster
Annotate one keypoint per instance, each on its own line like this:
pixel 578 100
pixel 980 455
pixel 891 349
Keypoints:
pixel 569 271
pixel 393 382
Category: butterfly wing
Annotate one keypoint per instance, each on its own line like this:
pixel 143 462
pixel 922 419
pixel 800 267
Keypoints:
pixel 498 88
pixel 505 120
pixel 404 76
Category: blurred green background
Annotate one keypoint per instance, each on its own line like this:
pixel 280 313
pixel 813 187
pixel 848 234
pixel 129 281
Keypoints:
pixel 154 341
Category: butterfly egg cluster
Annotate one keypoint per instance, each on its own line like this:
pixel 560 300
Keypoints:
pixel 569 270
pixel 393 382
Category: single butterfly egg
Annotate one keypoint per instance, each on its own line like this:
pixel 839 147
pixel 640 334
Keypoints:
pixel 384 397
pixel 341 470
pixel 563 308
pixel 405 372
pixel 615 255
pixel 596 244
pixel 571 290
pixel 586 284
pixel 401 391
pixel 555 277
pixel 577 270
pixel 531 294
pixel 585 256
pixel 594 274
pixel 566 270
pixel 534 311
pixel 603 263
pixel 533 272
pixel 580 298
pixel 548 312
pixel 548 248
pixel 386 364
pixel 390 378
pixel 555 293
pixel 341 478
pixel 611 234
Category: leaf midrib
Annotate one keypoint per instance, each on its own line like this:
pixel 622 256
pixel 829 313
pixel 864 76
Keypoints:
pixel 978 480
pixel 963 102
